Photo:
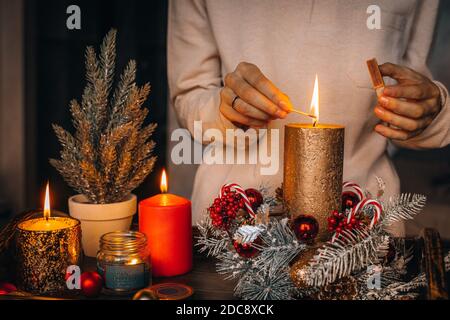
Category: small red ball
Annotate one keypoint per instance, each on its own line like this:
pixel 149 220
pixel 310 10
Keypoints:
pixel 349 200
pixel 246 250
pixel 332 221
pixel 6 287
pixel 91 284
pixel 305 228
pixel 255 197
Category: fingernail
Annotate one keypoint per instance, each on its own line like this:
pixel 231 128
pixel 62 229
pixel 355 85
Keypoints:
pixel 281 114
pixel 283 105
pixel 384 101
pixel 386 91
pixel 380 111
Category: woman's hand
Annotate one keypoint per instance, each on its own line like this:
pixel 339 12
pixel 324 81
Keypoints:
pixel 250 99
pixel 410 106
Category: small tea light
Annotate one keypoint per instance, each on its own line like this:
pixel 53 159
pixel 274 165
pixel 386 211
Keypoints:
pixel 47 244
pixel 124 261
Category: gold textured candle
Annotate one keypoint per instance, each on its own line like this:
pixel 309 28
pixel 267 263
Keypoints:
pixel 313 165
pixel 47 243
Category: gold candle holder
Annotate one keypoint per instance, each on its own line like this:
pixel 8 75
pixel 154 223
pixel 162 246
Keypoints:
pixel 313 165
pixel 45 248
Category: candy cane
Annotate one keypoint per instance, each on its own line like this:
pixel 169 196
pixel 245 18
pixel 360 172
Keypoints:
pixel 364 203
pixel 354 187
pixel 239 190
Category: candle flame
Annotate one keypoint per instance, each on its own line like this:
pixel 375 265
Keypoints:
pixel 314 110
pixel 47 202
pixel 163 185
pixel 134 261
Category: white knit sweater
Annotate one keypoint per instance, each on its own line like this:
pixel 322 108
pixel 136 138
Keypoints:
pixel 291 41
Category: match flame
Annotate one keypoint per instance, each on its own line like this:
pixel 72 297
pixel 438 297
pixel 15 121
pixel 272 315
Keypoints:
pixel 163 185
pixel 47 202
pixel 314 110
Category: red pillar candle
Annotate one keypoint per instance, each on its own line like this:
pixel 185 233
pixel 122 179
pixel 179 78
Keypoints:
pixel 166 221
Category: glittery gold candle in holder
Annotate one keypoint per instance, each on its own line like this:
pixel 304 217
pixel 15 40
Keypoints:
pixel 313 165
pixel 46 246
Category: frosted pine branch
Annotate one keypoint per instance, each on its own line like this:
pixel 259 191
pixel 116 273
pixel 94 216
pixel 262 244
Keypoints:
pixel 211 240
pixel 402 207
pixel 352 251
pixel 232 265
pixel 279 246
pixel 266 286
pixel 447 262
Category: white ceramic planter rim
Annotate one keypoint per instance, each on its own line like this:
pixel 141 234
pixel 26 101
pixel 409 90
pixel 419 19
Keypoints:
pixel 101 212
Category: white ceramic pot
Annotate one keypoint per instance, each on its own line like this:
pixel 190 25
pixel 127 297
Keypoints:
pixel 98 219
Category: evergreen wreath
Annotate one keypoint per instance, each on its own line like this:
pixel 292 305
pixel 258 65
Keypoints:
pixel 269 262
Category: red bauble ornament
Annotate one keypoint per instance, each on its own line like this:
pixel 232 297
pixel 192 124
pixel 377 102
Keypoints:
pixel 91 284
pixel 305 228
pixel 246 250
pixel 255 197
pixel 6 287
pixel 349 200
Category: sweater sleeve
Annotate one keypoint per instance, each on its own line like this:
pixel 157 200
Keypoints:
pixel 194 68
pixel 437 134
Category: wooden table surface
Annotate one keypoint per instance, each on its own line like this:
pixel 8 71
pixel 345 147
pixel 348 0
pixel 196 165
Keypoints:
pixel 206 282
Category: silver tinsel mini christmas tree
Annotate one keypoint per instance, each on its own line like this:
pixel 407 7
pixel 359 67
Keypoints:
pixel 110 153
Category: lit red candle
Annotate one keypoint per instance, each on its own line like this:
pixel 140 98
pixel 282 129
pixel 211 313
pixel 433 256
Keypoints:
pixel 166 221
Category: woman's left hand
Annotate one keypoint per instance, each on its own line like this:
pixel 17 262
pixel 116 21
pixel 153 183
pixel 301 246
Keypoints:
pixel 410 106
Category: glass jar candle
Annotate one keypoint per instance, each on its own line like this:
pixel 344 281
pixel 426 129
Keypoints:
pixel 124 261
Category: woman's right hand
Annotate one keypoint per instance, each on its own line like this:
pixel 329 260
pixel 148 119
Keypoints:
pixel 256 99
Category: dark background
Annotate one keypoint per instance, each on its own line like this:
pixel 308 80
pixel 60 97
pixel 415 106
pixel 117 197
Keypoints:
pixel 55 75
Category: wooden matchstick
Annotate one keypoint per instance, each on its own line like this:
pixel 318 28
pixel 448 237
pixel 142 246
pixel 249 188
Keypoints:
pixel 303 113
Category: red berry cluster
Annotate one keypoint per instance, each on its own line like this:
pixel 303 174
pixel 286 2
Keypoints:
pixel 337 222
pixel 223 210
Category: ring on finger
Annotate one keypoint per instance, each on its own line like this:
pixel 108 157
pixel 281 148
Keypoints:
pixel 233 104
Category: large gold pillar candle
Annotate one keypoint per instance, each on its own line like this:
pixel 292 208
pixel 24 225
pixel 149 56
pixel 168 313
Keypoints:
pixel 313 165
